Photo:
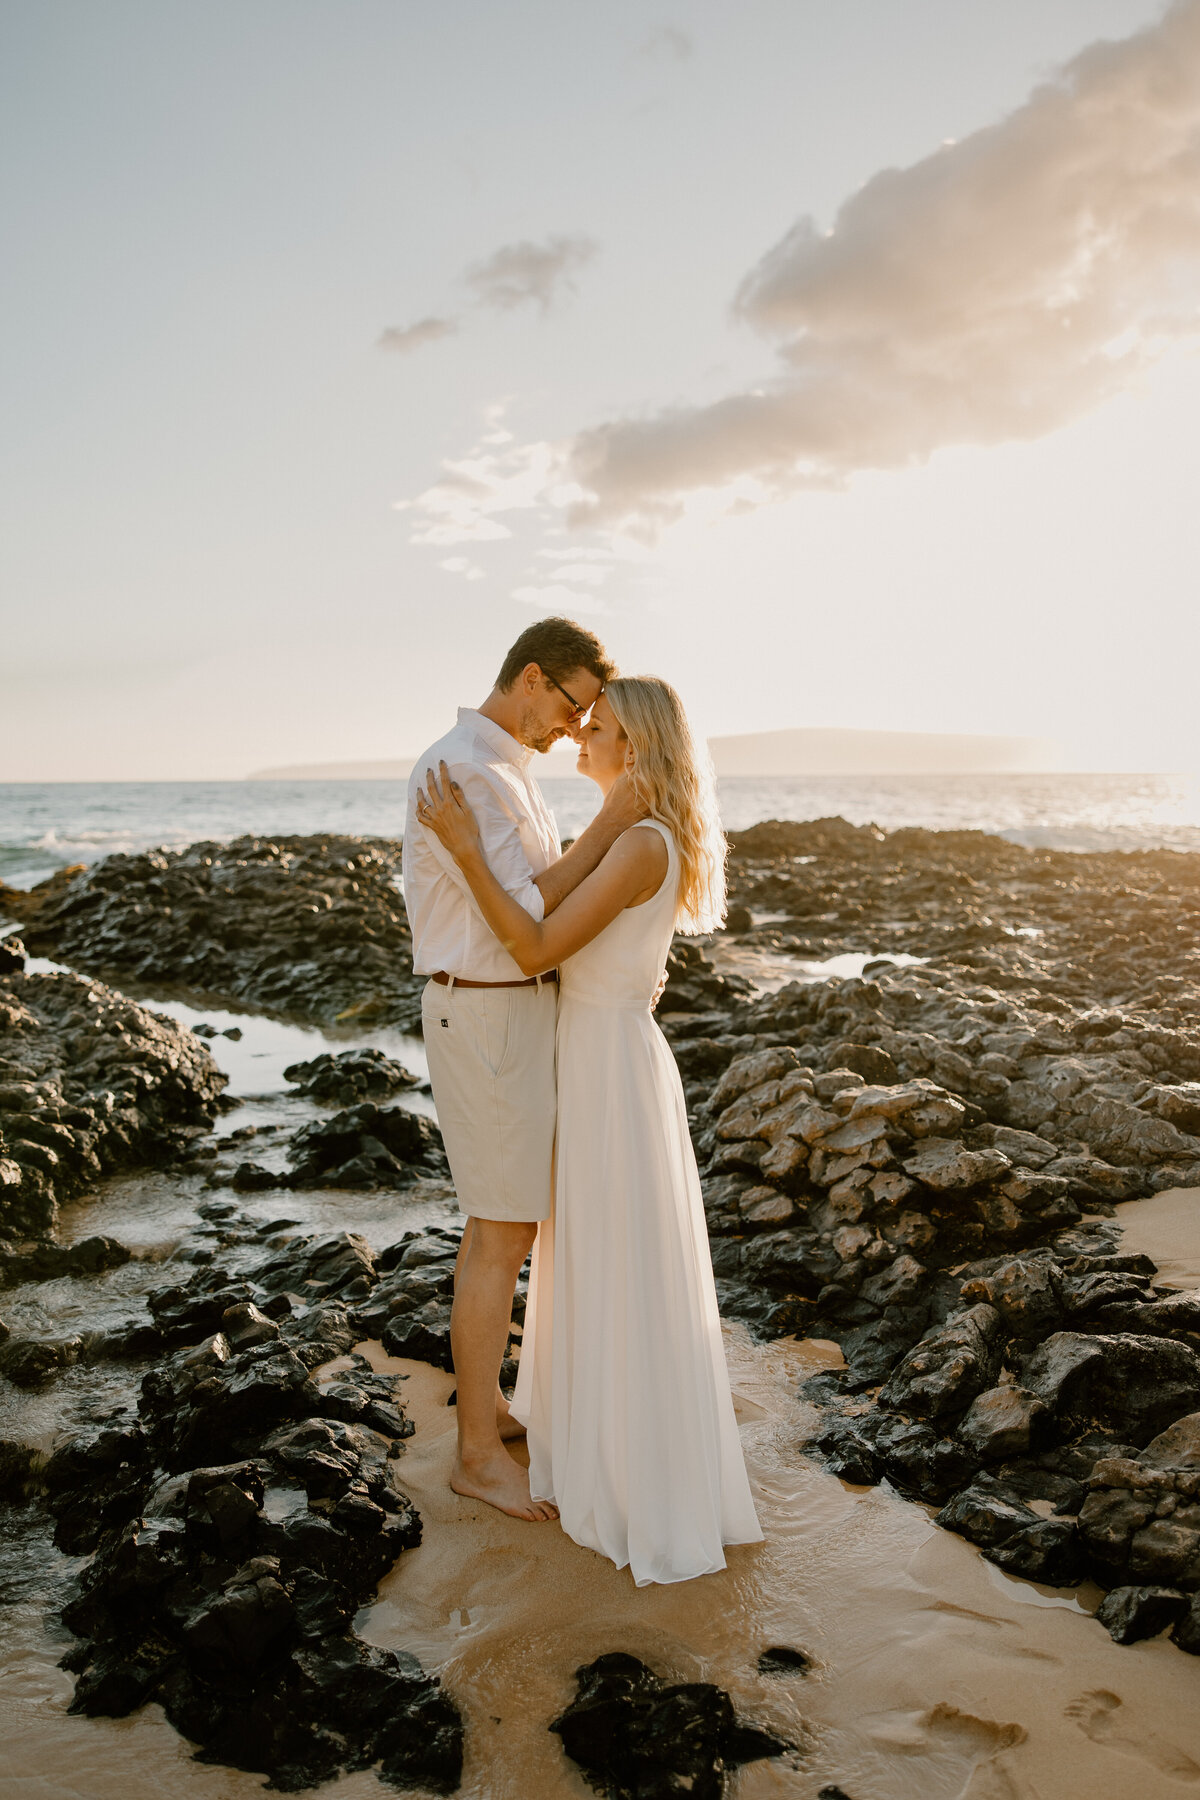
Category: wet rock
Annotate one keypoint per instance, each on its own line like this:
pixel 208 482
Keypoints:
pixel 320 1334
pixel 422 1334
pixel 20 1471
pixel 350 1077
pixel 341 1265
pixel 1003 1422
pixel 1026 1291
pixel 1132 1613
pixel 985 1516
pixel 701 1061
pixel 863 1447
pixel 366 1146
pixel 12 955
pixel 1178 1447
pixel 207 1400
pixel 31 1362
pixel 868 1060
pixel 225 1589
pixel 409 1309
pixel 1187 1631
pixel 694 985
pixel 1179 1106
pixel 46 1261
pixel 1130 1384
pixel 1141 1517
pixel 1173 1315
pixel 784 1661
pixel 95 1482
pixel 636 1737
pixel 90 1083
pixel 311 926
pixel 946 1165
pixel 253 1178
pixel 944 1373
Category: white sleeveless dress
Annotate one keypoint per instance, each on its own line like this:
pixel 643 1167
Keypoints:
pixel 622 1382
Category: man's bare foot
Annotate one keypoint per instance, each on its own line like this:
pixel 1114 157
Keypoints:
pixel 502 1483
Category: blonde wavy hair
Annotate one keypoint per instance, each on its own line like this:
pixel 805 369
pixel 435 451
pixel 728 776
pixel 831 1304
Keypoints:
pixel 673 777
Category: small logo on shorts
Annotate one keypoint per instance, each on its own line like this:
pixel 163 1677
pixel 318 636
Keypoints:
pixel 445 1024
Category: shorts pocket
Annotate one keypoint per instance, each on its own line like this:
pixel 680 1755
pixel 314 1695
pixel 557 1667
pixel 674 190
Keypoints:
pixel 499 1033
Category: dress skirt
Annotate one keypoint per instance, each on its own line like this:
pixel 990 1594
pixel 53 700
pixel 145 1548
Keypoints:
pixel 623 1384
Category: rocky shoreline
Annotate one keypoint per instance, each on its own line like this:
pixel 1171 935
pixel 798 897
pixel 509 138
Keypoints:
pixel 919 1162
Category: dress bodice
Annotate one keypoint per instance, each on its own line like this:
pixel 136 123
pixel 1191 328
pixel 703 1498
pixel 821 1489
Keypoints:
pixel 624 963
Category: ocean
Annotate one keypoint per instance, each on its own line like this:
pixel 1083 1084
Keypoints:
pixel 46 825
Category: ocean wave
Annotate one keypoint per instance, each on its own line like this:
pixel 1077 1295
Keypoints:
pixel 1097 838
pixel 48 826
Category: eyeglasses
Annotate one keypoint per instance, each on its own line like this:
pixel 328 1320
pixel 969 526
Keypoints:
pixel 575 706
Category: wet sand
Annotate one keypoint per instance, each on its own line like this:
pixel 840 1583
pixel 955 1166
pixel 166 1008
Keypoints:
pixel 1167 1228
pixel 936 1676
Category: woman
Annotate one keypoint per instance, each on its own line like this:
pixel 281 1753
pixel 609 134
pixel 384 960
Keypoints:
pixel 623 1385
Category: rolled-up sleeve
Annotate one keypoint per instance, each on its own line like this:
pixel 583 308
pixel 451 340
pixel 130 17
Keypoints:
pixel 500 835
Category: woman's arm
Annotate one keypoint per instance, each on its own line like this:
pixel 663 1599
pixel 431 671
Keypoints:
pixel 631 871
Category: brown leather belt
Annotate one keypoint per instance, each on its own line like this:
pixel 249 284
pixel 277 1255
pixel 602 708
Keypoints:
pixel 443 980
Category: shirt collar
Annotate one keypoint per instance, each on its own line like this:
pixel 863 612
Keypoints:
pixel 495 736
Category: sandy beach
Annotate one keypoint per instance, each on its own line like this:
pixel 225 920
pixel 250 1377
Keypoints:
pixel 935 1676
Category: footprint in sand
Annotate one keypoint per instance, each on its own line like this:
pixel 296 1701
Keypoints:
pixel 1099 1715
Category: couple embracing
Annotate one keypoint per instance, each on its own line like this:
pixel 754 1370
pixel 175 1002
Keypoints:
pixel 562 1110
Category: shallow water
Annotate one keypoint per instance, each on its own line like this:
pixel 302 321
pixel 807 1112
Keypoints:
pixel 770 970
pixel 936 1677
pixel 45 825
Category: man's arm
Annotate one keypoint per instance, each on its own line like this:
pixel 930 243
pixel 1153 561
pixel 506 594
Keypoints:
pixel 621 809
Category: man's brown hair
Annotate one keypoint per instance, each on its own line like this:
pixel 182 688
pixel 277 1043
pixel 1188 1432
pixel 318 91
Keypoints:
pixel 557 646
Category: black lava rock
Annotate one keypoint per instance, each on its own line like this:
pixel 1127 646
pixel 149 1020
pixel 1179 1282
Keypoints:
pixel 238 1527
pixel 366 1146
pixel 349 1077
pixel 636 1737
pixel 783 1661
pixel 310 926
pixel 1132 1613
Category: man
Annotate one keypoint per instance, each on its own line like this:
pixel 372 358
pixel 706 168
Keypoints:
pixel 489 1030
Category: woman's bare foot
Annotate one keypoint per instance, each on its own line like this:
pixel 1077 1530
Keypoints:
pixel 508 1427
pixel 502 1483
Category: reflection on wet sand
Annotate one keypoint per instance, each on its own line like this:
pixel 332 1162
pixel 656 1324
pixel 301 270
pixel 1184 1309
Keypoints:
pixel 936 1677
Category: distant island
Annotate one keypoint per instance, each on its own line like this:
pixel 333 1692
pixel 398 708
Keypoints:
pixel 799 752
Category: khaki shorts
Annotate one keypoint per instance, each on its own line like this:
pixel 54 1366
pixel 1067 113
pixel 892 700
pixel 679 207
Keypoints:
pixel 491 1067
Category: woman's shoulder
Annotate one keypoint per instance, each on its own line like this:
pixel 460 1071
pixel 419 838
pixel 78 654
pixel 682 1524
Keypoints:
pixel 651 837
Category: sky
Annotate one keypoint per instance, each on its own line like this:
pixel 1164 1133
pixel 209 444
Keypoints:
pixel 837 359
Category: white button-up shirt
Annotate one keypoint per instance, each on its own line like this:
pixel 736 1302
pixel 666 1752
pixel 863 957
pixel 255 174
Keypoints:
pixel 520 840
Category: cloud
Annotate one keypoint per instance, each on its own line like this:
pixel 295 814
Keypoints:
pixel 668 43
pixel 411 337
pixel 530 274
pixel 497 476
pixel 462 565
pixel 993 291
